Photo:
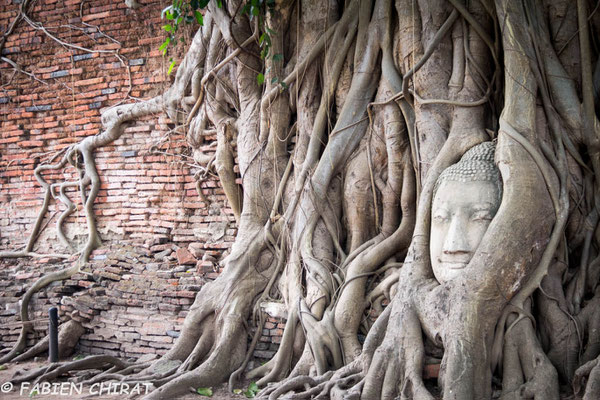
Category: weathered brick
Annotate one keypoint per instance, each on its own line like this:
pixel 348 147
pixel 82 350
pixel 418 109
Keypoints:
pixel 137 61
pixel 81 57
pixel 59 74
pixel 46 107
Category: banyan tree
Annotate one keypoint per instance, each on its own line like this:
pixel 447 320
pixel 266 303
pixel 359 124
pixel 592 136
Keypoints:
pixel 419 184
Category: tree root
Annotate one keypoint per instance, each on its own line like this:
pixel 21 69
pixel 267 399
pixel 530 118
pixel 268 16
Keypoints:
pixel 68 336
pixel 527 371
pixel 54 370
pixel 586 382
pixel 37 286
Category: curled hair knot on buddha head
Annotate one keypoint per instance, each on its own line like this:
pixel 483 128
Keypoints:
pixel 477 164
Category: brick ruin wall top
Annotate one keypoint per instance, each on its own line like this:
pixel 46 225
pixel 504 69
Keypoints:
pixel 147 206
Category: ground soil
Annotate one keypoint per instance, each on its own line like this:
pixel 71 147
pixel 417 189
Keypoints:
pixel 220 391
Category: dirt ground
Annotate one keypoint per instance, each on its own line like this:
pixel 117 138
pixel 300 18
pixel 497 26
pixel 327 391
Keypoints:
pixel 22 391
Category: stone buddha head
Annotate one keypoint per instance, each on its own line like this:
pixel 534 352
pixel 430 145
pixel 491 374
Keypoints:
pixel 466 197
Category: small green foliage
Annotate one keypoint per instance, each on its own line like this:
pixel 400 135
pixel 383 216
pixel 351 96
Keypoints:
pixel 199 17
pixel 179 12
pixel 188 11
pixel 205 392
pixel 237 391
pixel 163 47
pixel 252 390
pixel 33 393
pixel 3 367
pixel 171 66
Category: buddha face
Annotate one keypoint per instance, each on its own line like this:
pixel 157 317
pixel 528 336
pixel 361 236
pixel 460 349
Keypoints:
pixel 461 213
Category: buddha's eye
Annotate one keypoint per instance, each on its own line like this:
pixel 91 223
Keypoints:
pixel 483 215
pixel 440 216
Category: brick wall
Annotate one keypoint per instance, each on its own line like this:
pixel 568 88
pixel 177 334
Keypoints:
pixel 161 241
pixel 132 300
pixel 144 194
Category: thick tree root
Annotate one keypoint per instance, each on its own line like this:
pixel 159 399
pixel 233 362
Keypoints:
pixel 37 286
pixel 68 336
pixel 54 370
pixel 527 371
pixel 586 382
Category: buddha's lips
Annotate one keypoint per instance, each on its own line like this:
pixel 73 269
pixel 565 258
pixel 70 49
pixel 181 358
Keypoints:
pixel 454 264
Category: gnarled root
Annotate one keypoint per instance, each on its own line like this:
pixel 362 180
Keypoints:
pixel 586 382
pixel 399 359
pixel 68 336
pixel 54 370
pixel 318 387
pixel 37 286
pixel 527 371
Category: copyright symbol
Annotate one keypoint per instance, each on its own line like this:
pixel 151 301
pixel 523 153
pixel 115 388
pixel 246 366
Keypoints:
pixel 6 387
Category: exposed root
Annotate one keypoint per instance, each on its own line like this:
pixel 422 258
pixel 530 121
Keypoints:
pixel 527 371
pixel 54 370
pixel 68 336
pixel 586 382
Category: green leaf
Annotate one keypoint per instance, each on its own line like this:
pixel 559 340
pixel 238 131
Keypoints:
pixel 252 390
pixel 205 392
pixel 271 31
pixel 255 11
pixel 237 391
pixel 219 4
pixel 170 15
pixel 163 47
pixel 277 57
pixel 260 78
pixel 203 3
pixel 199 17
pixel 3 367
pixel 255 3
pixel 167 28
pixel 261 39
pixel 78 357
pixel 171 67
pixel 194 4
pixel 274 79
pixel 264 52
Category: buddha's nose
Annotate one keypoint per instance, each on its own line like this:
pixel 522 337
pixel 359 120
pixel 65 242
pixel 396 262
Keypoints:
pixel 456 238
